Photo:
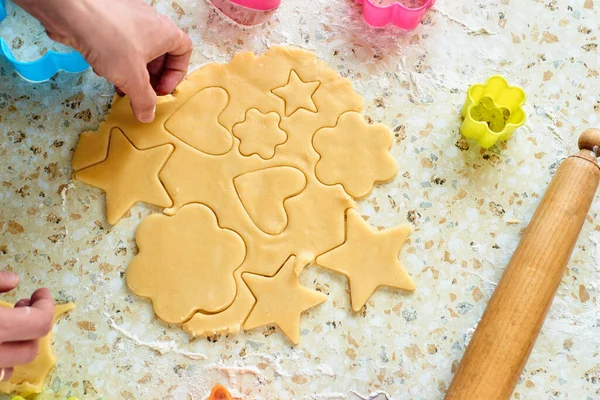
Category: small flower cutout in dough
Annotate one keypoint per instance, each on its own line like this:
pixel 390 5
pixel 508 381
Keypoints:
pixel 260 134
pixel 185 263
pixel 354 154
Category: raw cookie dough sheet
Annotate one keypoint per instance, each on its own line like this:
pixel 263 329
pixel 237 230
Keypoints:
pixel 466 206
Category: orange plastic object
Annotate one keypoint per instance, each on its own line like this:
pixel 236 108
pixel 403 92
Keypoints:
pixel 219 393
pixel 493 111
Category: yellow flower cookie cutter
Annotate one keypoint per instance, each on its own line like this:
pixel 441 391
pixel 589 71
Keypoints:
pixel 21 398
pixel 492 111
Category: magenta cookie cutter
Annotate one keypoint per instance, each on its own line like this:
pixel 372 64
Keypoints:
pixel 247 12
pixel 258 5
pixel 403 17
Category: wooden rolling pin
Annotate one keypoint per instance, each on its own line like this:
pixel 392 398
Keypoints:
pixel 514 316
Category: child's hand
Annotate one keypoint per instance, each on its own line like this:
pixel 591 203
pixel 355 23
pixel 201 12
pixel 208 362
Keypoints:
pixel 22 327
pixel 125 41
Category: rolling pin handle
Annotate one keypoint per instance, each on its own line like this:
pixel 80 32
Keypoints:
pixel 513 318
pixel 590 140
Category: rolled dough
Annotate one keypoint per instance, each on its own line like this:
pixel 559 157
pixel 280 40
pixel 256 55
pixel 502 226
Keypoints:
pixel 268 149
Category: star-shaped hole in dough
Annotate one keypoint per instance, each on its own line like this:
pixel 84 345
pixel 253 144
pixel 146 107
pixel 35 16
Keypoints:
pixel 369 259
pixel 260 134
pixel 297 94
pixel 280 300
pixel 354 154
pixel 128 175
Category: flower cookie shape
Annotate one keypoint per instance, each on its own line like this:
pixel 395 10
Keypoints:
pixel 354 154
pixel 261 160
pixel 194 269
pixel 492 111
pixel 47 66
pixel 260 134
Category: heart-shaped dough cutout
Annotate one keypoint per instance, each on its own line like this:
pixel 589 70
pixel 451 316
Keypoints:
pixel 197 122
pixel 264 192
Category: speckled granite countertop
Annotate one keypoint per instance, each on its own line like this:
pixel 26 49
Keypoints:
pixel 467 206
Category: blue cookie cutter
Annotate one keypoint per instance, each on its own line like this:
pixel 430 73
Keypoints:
pixel 47 66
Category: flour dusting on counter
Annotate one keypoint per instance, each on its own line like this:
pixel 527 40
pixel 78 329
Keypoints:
pixel 467 207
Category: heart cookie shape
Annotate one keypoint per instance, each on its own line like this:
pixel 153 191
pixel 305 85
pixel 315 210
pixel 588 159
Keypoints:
pixel 264 192
pixel 197 122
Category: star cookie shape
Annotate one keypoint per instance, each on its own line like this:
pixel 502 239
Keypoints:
pixel 369 259
pixel 297 94
pixel 280 300
pixel 128 175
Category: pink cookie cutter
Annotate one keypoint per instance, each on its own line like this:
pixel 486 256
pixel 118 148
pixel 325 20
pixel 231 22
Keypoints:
pixel 259 5
pixel 403 17
pixel 247 12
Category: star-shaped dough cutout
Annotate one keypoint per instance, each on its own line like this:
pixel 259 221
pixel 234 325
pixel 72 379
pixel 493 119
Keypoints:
pixel 297 94
pixel 280 300
pixel 128 175
pixel 369 259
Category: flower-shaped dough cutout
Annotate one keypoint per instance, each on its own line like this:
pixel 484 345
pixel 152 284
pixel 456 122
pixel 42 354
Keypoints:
pixel 354 154
pixel 495 117
pixel 260 134
pixel 197 122
pixel 185 273
pixel 30 378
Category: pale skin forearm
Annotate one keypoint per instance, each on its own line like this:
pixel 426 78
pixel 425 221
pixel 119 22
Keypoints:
pixel 54 14
pixel 140 51
pixel 127 42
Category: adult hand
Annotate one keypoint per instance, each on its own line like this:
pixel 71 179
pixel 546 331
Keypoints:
pixel 140 51
pixel 22 327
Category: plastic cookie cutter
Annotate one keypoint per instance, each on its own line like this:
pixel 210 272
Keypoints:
pixel 492 111
pixel 397 13
pixel 219 393
pixel 47 66
pixel 247 12
pixel 21 398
